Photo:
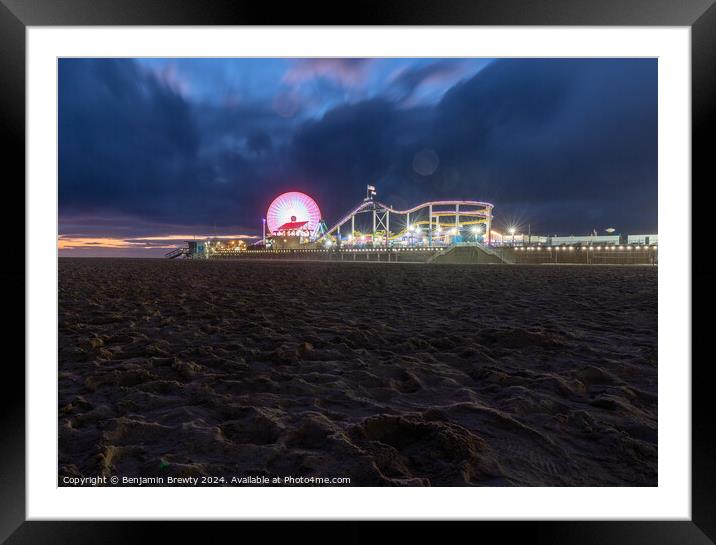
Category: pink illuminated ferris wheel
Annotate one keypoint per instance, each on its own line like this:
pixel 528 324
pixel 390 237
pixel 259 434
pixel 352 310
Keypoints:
pixel 293 207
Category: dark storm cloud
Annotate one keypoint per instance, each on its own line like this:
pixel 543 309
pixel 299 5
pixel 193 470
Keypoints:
pixel 567 145
pixel 529 133
pixel 131 144
pixel 127 140
pixel 561 117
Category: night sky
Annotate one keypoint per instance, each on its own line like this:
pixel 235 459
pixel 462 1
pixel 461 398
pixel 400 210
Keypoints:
pixel 152 151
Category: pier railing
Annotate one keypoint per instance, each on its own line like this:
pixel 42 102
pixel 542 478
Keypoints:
pixel 462 252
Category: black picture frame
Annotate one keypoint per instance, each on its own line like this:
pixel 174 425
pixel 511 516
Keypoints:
pixel 16 15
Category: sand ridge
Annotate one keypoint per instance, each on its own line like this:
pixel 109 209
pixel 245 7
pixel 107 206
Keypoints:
pixel 388 374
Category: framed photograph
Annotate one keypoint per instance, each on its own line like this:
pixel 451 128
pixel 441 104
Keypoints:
pixel 433 263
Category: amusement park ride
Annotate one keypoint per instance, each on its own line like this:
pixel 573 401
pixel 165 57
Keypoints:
pixel 293 221
pixel 434 223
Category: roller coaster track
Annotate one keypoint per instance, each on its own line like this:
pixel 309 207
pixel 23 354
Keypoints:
pixel 399 234
pixel 484 210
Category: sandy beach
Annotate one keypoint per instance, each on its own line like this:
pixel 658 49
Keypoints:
pixel 399 374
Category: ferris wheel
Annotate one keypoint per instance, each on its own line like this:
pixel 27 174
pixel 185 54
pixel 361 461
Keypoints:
pixel 293 207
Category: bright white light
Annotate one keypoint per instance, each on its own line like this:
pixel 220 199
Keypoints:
pixel 512 230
